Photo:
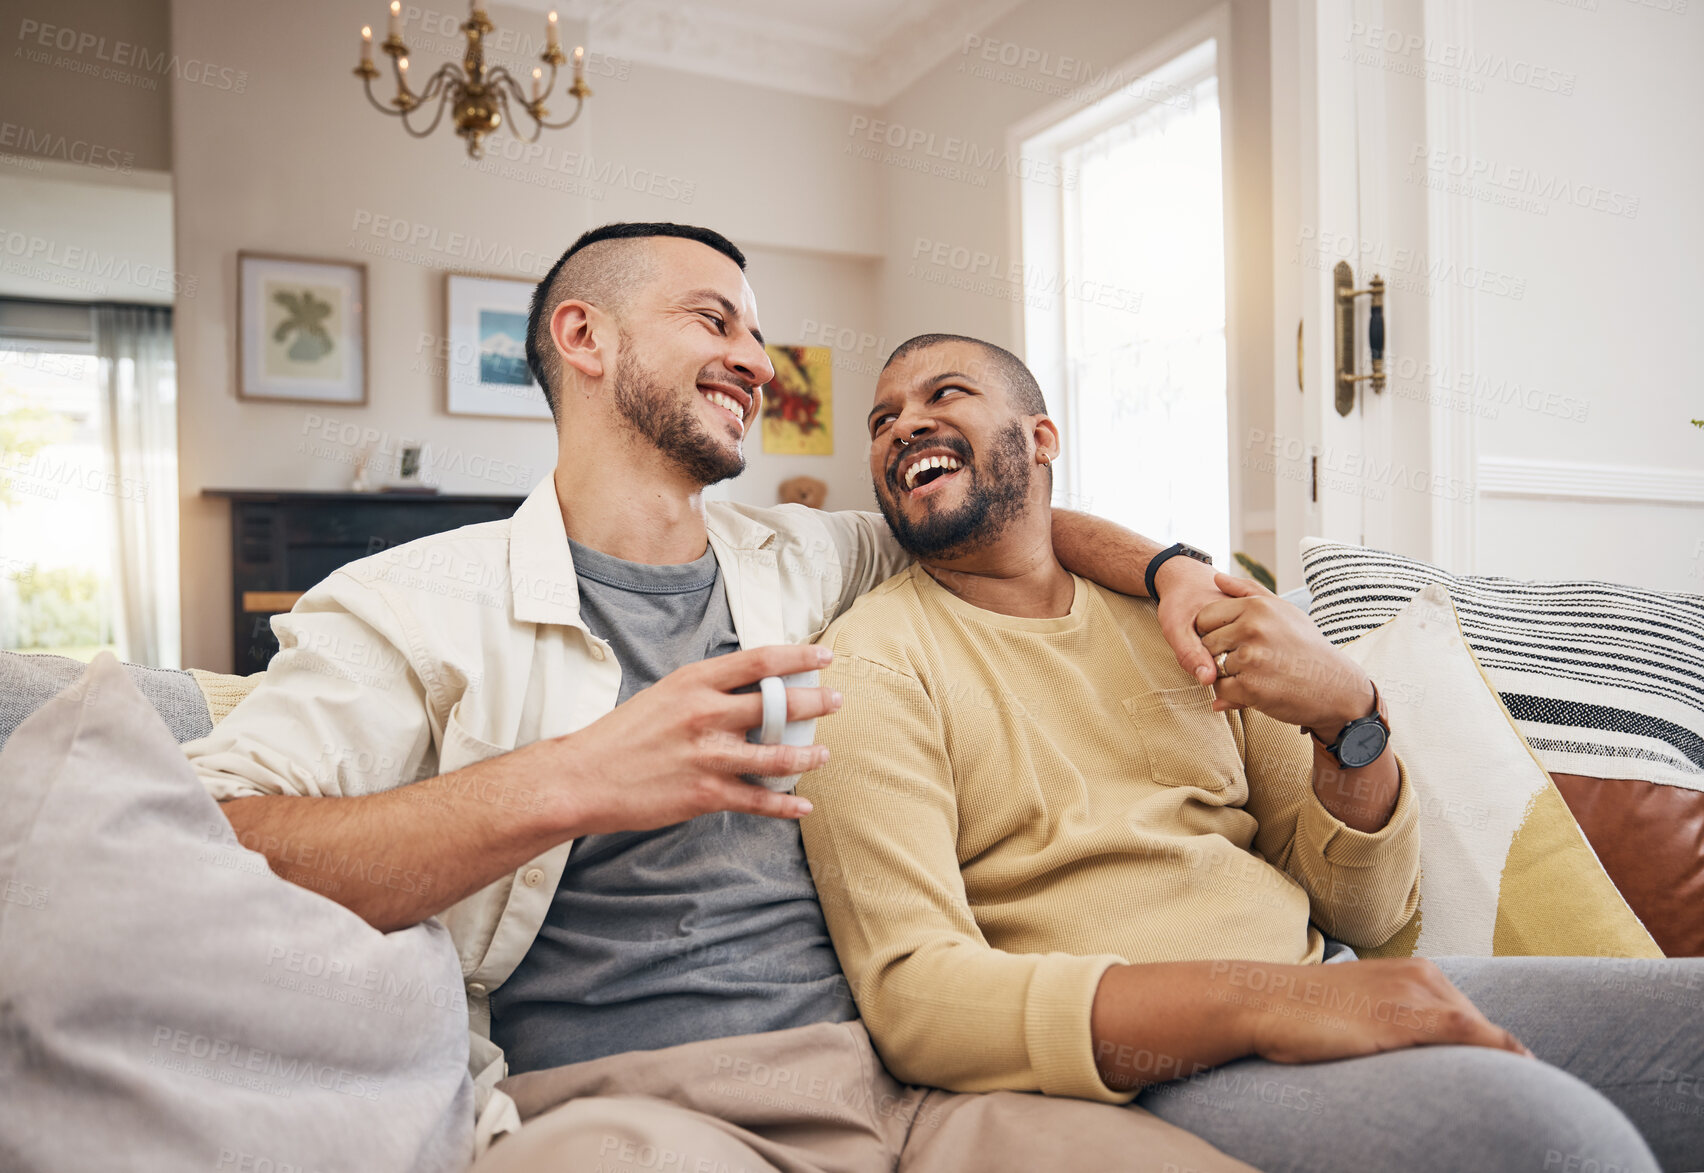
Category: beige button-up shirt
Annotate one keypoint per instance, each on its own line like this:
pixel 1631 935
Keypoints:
pixel 425 658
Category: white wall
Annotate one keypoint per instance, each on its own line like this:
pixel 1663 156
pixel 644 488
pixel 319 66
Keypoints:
pixel 800 298
pixel 1605 331
pixel 299 163
pixel 72 232
pixel 87 77
pixel 976 208
pixel 85 152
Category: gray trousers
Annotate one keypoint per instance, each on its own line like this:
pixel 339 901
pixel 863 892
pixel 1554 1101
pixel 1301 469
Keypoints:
pixel 1619 1089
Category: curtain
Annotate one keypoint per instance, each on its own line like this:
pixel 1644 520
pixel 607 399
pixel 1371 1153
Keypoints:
pixel 138 374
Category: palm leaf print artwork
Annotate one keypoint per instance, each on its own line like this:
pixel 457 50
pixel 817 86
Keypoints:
pixel 306 318
pixel 301 329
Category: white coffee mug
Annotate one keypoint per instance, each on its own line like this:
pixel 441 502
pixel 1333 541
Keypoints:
pixel 775 729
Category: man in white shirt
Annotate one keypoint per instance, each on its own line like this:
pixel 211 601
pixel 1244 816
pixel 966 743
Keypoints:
pixel 484 700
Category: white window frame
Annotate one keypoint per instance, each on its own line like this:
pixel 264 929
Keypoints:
pixel 1037 228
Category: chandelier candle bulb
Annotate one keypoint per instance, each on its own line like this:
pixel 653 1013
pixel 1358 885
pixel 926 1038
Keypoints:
pixel 366 45
pixel 396 19
pixel 550 41
pixel 579 62
pixel 538 84
pixel 402 70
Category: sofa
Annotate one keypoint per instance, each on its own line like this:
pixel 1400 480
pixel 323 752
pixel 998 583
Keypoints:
pixel 1647 835
pixel 1615 867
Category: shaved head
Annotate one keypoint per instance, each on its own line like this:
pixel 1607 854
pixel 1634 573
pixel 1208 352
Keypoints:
pixel 1020 384
pixel 606 267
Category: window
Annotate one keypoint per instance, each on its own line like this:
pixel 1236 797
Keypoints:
pixel 1136 337
pixel 56 574
pixel 88 481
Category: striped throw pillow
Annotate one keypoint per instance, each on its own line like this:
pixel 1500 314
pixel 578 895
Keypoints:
pixel 1602 680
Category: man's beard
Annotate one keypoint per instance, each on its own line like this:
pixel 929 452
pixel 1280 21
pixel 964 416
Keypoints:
pixel 987 508
pixel 661 417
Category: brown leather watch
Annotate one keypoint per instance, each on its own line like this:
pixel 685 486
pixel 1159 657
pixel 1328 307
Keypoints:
pixel 1362 740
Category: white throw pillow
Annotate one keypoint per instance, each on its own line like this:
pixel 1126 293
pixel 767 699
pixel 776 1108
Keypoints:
pixel 1504 868
pixel 168 1003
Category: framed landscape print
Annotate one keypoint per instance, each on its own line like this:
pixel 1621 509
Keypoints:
pixel 301 329
pixel 487 362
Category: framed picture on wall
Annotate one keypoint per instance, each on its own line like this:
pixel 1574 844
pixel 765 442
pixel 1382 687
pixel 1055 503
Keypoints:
pixel 486 364
pixel 301 329
pixel 798 404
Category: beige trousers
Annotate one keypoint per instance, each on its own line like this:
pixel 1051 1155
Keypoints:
pixel 814 1099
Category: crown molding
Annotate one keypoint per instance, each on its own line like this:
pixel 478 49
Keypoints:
pixel 714 39
pixel 920 40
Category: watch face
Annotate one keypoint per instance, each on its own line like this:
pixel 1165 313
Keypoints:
pixel 1362 745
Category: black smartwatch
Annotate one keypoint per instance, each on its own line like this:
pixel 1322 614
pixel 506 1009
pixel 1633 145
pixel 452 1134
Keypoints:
pixel 1362 740
pixel 1159 560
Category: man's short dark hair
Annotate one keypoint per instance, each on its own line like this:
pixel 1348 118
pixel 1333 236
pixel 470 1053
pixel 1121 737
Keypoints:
pixel 1020 383
pixel 603 277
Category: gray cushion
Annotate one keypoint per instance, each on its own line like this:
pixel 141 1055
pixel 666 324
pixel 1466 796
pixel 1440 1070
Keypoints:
pixel 28 681
pixel 169 1003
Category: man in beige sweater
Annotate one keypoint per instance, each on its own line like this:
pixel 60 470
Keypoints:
pixel 1051 861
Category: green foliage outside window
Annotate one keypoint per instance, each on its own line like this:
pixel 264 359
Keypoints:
pixel 59 608
pixel 24 431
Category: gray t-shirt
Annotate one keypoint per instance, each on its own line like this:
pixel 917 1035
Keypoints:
pixel 706 929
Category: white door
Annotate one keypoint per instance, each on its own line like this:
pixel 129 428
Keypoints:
pixel 1361 474
pixel 1523 175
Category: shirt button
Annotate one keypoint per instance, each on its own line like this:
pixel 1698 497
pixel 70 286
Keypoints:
pixel 476 988
pixel 597 653
pixel 533 878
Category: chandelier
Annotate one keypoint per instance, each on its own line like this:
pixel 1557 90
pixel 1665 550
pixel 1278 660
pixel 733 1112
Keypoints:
pixel 477 97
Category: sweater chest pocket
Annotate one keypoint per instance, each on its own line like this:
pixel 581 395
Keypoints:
pixel 1185 742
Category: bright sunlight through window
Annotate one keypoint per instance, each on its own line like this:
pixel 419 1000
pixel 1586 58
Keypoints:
pixel 1142 334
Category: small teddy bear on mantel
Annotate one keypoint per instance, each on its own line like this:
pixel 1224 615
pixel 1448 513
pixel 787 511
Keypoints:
pixel 807 491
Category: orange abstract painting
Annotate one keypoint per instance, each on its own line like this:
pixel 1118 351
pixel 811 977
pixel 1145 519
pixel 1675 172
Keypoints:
pixel 798 404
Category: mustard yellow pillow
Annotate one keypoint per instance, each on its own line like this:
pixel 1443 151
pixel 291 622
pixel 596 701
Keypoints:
pixel 1504 868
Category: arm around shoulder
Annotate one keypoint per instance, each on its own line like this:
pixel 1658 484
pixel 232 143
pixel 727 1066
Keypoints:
pixel 865 552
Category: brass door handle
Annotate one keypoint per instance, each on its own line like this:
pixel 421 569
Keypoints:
pixel 1344 295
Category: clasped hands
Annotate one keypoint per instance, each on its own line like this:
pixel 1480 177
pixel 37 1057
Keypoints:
pixel 1274 658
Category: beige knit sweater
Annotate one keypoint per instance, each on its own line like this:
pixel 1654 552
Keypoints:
pixel 1012 805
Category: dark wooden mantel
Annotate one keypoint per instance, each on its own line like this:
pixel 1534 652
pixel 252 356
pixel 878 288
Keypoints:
pixel 284 541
